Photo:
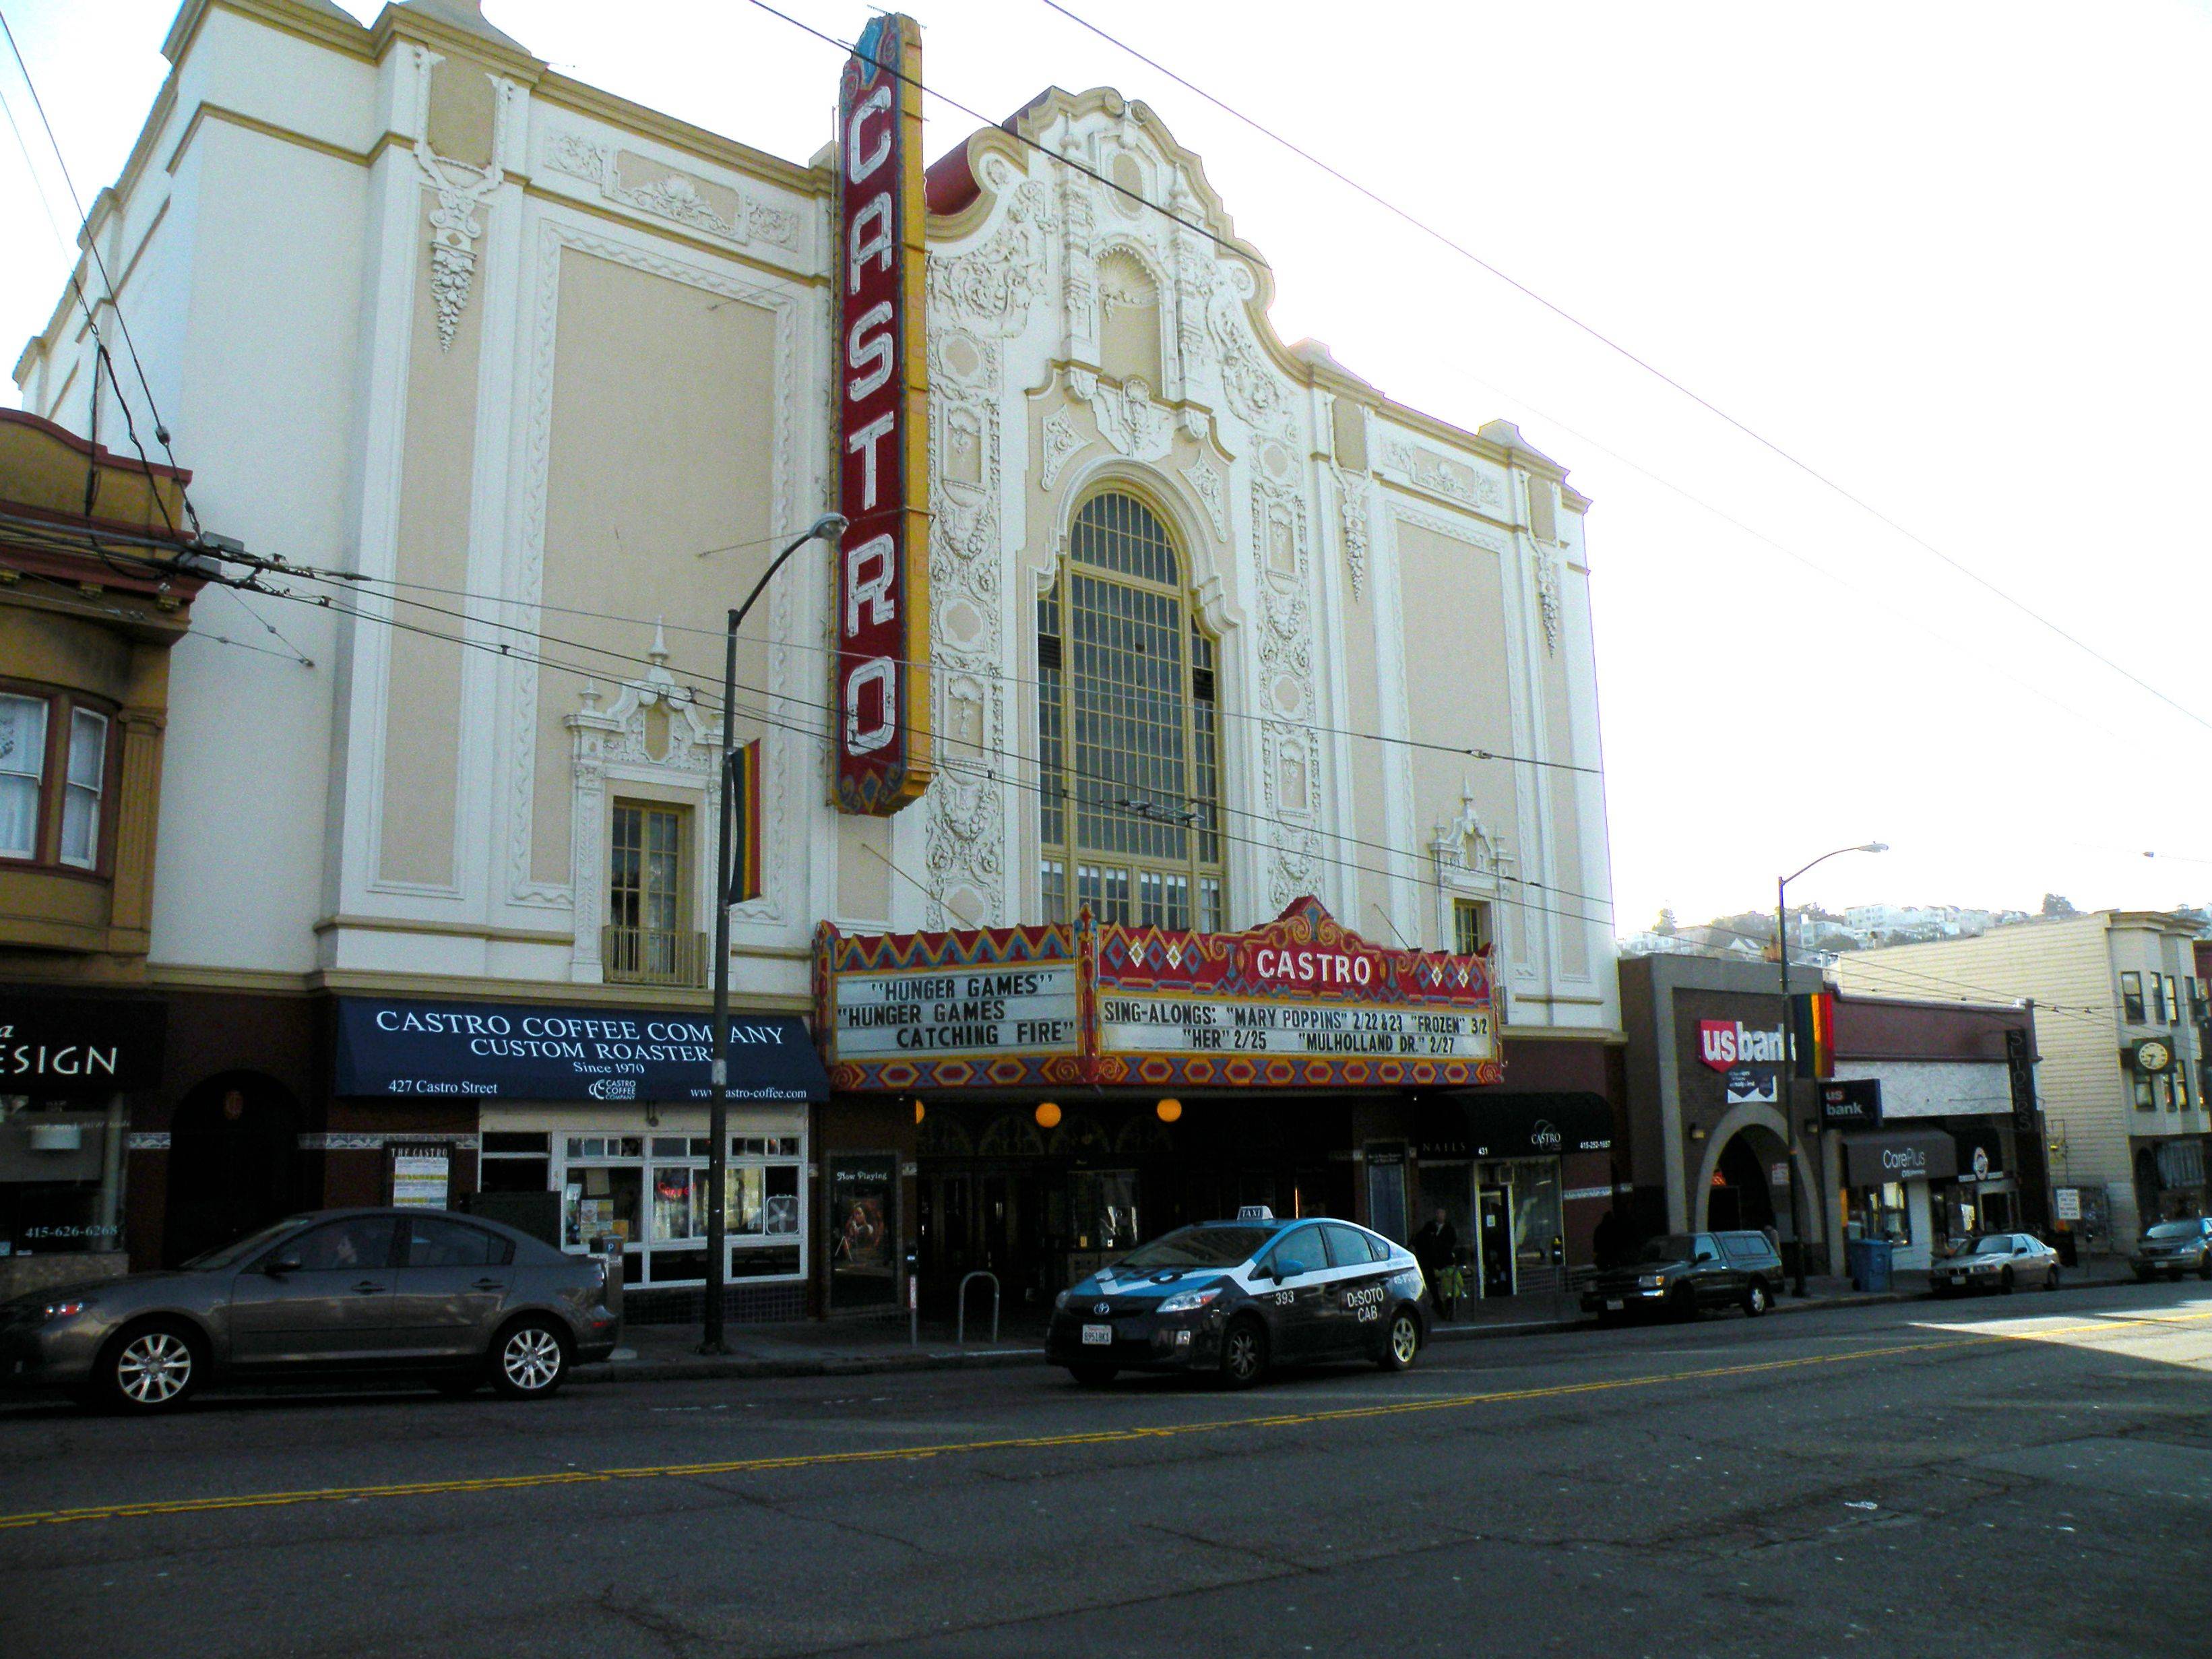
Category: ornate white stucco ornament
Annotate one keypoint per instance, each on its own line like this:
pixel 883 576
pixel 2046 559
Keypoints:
pixel 1351 499
pixel 461 192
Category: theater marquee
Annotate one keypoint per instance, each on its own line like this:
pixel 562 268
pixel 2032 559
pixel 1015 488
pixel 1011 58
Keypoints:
pixel 1302 1002
pixel 882 677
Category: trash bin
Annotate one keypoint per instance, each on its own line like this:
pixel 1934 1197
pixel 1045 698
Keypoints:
pixel 1869 1260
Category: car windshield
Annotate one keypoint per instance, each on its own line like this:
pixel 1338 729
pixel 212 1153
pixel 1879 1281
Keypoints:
pixel 230 1255
pixel 1197 1247
pixel 2176 1230
pixel 1668 1246
pixel 1995 1244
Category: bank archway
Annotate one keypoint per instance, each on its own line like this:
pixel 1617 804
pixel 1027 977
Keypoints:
pixel 1743 1150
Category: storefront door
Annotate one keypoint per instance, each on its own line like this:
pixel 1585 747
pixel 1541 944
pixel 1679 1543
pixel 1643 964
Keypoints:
pixel 1494 1210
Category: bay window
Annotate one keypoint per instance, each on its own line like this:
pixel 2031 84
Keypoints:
pixel 53 779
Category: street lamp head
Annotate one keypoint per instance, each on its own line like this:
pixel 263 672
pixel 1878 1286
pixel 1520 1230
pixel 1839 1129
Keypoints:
pixel 829 524
pixel 1875 846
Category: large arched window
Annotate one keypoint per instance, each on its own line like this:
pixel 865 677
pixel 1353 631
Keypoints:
pixel 1129 730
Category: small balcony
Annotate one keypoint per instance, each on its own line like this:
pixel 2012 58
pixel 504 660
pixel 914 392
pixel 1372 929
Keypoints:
pixel 645 956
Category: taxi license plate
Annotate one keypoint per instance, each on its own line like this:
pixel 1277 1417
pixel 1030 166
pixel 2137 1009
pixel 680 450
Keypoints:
pixel 1097 1336
pixel 1612 1304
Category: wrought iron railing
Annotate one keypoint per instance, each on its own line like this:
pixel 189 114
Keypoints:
pixel 645 956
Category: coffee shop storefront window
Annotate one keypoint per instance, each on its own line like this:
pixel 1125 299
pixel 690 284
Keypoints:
pixel 650 1192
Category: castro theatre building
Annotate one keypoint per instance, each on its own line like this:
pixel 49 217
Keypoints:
pixel 1179 784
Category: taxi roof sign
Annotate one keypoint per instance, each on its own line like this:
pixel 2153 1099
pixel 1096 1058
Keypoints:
pixel 1255 1213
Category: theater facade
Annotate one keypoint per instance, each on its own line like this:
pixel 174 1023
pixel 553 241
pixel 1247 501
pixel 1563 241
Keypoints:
pixel 1212 725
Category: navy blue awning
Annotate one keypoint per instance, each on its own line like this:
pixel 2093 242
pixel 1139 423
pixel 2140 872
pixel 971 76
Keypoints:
pixel 518 1051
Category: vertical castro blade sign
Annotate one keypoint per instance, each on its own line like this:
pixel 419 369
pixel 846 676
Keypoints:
pixel 881 706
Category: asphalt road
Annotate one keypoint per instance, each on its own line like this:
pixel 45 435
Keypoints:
pixel 2023 1475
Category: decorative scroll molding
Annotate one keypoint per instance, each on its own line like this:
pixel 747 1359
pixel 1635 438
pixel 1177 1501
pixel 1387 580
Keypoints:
pixel 1130 422
pixel 676 197
pixel 1291 785
pixel 619 739
pixel 1352 502
pixel 1061 443
pixel 1467 854
pixel 964 833
pixel 455 226
pixel 1441 474
pixel 1249 381
pixel 992 288
pixel 1206 478
pixel 1547 562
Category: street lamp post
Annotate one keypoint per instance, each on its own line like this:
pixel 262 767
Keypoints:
pixel 718 1111
pixel 1789 1043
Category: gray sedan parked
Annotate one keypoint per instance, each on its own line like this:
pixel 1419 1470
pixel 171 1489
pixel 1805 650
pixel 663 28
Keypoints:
pixel 462 1300
pixel 2174 1247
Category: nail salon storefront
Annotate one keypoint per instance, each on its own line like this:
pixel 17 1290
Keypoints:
pixel 590 1123
pixel 1075 1089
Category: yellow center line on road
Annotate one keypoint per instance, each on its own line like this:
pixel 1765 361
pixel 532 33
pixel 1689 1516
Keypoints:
pixel 2128 1325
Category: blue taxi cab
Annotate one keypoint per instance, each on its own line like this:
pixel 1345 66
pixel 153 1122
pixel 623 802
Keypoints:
pixel 1234 1299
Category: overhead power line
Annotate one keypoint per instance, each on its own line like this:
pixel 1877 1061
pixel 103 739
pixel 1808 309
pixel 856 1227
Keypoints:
pixel 1826 480
pixel 946 98
pixel 107 282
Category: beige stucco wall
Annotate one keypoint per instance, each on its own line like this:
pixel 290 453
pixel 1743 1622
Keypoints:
pixel 662 449
pixel 422 712
pixel 1457 687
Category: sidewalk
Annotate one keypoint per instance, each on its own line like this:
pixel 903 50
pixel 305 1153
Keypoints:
pixel 860 1347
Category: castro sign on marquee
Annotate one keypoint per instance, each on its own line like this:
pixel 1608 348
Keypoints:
pixel 882 452
pixel 1299 1002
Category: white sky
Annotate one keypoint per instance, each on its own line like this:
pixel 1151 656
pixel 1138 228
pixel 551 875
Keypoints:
pixel 1954 256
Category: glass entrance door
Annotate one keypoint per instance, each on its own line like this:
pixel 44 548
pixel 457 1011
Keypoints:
pixel 1493 1215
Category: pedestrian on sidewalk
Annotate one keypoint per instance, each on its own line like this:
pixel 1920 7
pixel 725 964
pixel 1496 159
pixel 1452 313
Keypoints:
pixel 1436 1247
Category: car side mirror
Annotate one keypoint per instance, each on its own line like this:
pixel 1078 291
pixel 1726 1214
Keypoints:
pixel 1289 1270
pixel 277 1267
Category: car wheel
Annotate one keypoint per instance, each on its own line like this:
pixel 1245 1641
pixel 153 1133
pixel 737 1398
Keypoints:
pixel 154 1367
pixel 1243 1353
pixel 2004 1281
pixel 1682 1305
pixel 529 1360
pixel 1091 1376
pixel 1756 1301
pixel 1401 1342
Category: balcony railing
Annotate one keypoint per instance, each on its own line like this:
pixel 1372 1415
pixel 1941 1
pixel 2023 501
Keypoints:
pixel 645 956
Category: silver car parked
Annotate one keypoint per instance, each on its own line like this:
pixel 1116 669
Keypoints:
pixel 1997 1261
pixel 462 1300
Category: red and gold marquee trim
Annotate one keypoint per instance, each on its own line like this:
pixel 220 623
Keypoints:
pixel 1304 956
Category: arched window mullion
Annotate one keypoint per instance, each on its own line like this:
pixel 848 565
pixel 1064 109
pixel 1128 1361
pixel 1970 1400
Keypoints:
pixel 1127 729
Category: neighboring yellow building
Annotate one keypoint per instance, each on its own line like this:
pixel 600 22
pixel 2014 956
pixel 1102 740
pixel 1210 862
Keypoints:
pixel 87 619
pixel 2117 1013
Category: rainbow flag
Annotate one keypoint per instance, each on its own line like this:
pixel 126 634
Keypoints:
pixel 741 784
pixel 1813 1032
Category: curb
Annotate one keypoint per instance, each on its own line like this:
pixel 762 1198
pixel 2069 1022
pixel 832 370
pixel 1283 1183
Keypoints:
pixel 701 1368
